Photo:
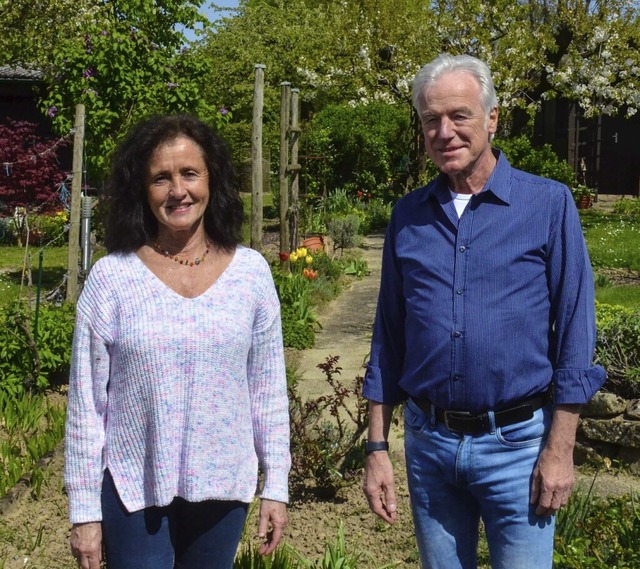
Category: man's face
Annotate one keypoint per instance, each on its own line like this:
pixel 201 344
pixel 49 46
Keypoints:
pixel 456 128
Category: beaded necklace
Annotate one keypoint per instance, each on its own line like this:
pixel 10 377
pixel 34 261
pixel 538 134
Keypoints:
pixel 195 262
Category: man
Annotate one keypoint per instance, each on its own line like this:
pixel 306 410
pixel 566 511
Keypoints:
pixel 485 326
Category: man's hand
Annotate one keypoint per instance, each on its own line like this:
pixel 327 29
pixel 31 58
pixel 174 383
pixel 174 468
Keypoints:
pixel 553 476
pixel 379 487
pixel 86 544
pixel 273 520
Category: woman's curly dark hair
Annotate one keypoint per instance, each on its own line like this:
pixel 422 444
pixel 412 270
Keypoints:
pixel 130 222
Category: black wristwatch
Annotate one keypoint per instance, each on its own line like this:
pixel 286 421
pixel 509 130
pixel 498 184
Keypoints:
pixel 372 446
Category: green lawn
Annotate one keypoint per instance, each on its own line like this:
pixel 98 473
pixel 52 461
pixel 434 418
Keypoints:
pixel 13 264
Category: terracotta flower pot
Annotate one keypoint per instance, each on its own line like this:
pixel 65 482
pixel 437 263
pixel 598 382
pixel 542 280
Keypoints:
pixel 313 244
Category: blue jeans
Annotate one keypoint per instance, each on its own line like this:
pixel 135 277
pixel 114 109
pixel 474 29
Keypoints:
pixel 183 535
pixel 456 480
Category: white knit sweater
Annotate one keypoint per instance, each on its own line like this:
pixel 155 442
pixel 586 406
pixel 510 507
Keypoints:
pixel 176 396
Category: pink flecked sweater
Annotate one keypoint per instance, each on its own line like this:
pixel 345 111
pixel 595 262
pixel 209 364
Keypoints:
pixel 176 396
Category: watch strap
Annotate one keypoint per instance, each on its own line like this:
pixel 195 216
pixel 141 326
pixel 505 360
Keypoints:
pixel 372 446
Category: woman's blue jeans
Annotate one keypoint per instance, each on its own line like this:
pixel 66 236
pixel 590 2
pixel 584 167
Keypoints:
pixel 183 535
pixel 456 480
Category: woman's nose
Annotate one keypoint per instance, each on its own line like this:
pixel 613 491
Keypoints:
pixel 177 189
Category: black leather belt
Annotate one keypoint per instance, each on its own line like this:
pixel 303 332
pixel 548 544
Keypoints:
pixel 474 423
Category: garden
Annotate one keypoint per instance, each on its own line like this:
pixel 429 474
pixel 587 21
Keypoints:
pixel 359 151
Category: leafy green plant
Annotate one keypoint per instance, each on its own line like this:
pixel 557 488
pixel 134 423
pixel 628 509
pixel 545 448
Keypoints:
pixel 31 428
pixel 343 229
pixel 30 357
pixel 357 267
pixel 618 348
pixel 626 206
pixel 325 432
pixel 362 147
pixel 598 533
pixel 542 161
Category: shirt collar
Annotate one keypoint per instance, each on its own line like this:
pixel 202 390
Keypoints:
pixel 499 182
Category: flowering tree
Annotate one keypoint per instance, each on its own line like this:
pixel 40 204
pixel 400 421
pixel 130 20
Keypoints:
pixel 30 172
pixel 130 61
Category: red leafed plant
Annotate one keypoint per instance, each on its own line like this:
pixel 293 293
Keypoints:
pixel 29 168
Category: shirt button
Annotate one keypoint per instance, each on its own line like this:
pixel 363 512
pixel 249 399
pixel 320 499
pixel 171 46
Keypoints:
pixel 457 334
pixel 459 291
pixel 457 377
pixel 462 249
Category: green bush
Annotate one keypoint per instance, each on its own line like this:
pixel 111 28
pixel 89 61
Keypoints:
pixel 51 227
pixel 30 358
pixel 363 147
pixel 343 229
pixel 618 348
pixel 7 231
pixel 542 161
pixel 627 206
pixel 598 533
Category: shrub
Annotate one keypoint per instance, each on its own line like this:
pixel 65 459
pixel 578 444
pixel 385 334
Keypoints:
pixel 343 229
pixel 33 359
pixel 618 348
pixel 32 170
pixel 542 161
pixel 627 207
pixel 325 432
pixel 598 533
pixel 363 147
pixel 52 228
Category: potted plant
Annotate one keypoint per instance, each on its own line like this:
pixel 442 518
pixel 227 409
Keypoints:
pixel 583 196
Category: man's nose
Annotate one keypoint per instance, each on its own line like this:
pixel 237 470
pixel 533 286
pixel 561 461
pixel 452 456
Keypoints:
pixel 446 129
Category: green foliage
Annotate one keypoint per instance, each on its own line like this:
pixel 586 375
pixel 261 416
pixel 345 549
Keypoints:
pixel 626 206
pixel 598 533
pixel 542 161
pixel 51 228
pixel 618 348
pixel 363 148
pixel 31 428
pixel 30 358
pixel 284 557
pixel 325 432
pixel 128 62
pixel 343 229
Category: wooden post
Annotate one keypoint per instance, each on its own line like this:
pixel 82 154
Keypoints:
pixel 294 168
pixel 256 158
pixel 285 95
pixel 76 198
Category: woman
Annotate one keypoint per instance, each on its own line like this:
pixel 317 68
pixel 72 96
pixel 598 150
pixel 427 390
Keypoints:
pixel 177 391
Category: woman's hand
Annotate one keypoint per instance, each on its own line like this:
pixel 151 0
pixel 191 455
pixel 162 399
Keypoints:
pixel 273 520
pixel 86 544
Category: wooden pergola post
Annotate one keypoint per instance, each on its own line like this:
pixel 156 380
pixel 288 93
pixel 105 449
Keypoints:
pixel 285 244
pixel 256 158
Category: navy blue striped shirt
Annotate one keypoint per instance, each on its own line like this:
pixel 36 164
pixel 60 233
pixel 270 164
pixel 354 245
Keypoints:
pixel 480 312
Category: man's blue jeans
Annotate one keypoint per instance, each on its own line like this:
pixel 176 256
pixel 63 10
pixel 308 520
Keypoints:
pixel 183 535
pixel 456 480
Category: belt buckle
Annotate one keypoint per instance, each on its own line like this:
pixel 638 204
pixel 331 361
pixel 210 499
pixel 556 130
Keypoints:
pixel 460 414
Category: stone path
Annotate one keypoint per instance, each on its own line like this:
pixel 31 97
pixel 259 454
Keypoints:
pixel 347 323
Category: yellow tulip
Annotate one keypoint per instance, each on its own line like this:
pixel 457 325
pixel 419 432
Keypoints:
pixel 302 252
pixel 308 259
pixel 293 257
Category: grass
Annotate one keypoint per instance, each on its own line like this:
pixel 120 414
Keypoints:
pixel 613 240
pixel 13 263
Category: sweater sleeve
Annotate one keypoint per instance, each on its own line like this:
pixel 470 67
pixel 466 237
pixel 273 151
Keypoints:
pixel 268 392
pixel 86 412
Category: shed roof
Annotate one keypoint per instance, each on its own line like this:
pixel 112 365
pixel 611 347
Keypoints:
pixel 19 73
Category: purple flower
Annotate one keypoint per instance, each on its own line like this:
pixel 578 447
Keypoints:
pixel 89 72
pixel 223 111
pixel 104 33
pixel 52 111
pixel 171 85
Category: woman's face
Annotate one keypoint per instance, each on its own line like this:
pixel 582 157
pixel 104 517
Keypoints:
pixel 178 185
